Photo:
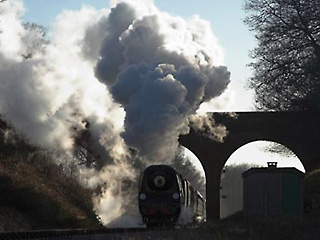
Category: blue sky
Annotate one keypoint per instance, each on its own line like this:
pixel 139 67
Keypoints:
pixel 226 18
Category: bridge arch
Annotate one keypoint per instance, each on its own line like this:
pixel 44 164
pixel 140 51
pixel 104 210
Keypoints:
pixel 253 154
pixel 299 131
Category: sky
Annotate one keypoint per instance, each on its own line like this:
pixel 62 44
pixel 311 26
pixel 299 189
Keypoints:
pixel 226 18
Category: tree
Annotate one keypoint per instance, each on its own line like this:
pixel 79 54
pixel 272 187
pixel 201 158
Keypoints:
pixel 286 71
pixel 35 40
pixel 184 166
pixel 231 189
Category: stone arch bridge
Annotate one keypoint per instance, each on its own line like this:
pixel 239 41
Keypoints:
pixel 299 131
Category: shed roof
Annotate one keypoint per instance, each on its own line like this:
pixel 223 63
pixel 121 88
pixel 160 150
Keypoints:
pixel 272 170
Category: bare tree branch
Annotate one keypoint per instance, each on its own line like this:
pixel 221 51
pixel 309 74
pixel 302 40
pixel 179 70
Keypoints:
pixel 287 59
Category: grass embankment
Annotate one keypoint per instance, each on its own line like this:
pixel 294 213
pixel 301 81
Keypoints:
pixel 41 196
pixel 238 228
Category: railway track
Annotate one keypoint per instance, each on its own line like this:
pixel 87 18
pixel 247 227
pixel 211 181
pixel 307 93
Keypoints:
pixel 105 234
pixel 69 234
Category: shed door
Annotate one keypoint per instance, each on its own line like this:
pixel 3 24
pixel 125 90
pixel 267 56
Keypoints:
pixel 272 195
pixel 291 201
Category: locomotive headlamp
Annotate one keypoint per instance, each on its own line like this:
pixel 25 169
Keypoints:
pixel 159 181
pixel 142 196
pixel 175 196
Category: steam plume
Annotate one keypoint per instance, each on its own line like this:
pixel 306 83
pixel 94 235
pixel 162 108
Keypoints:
pixel 160 68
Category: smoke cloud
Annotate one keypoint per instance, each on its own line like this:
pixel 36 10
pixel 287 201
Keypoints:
pixel 205 124
pixel 160 68
pixel 130 76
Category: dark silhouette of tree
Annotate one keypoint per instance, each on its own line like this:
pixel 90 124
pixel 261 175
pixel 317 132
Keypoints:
pixel 35 40
pixel 185 167
pixel 279 149
pixel 231 190
pixel 286 71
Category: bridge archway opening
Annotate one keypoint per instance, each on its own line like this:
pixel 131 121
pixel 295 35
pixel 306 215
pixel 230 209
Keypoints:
pixel 190 167
pixel 253 154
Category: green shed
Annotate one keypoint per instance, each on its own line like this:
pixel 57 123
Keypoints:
pixel 273 191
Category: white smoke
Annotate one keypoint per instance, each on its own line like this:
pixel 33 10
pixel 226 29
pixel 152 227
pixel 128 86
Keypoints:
pixel 116 198
pixel 11 28
pixel 160 68
pixel 134 73
pixel 47 95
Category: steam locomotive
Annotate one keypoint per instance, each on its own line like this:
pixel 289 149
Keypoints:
pixel 166 198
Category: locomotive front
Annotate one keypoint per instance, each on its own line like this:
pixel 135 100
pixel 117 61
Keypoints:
pixel 159 195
